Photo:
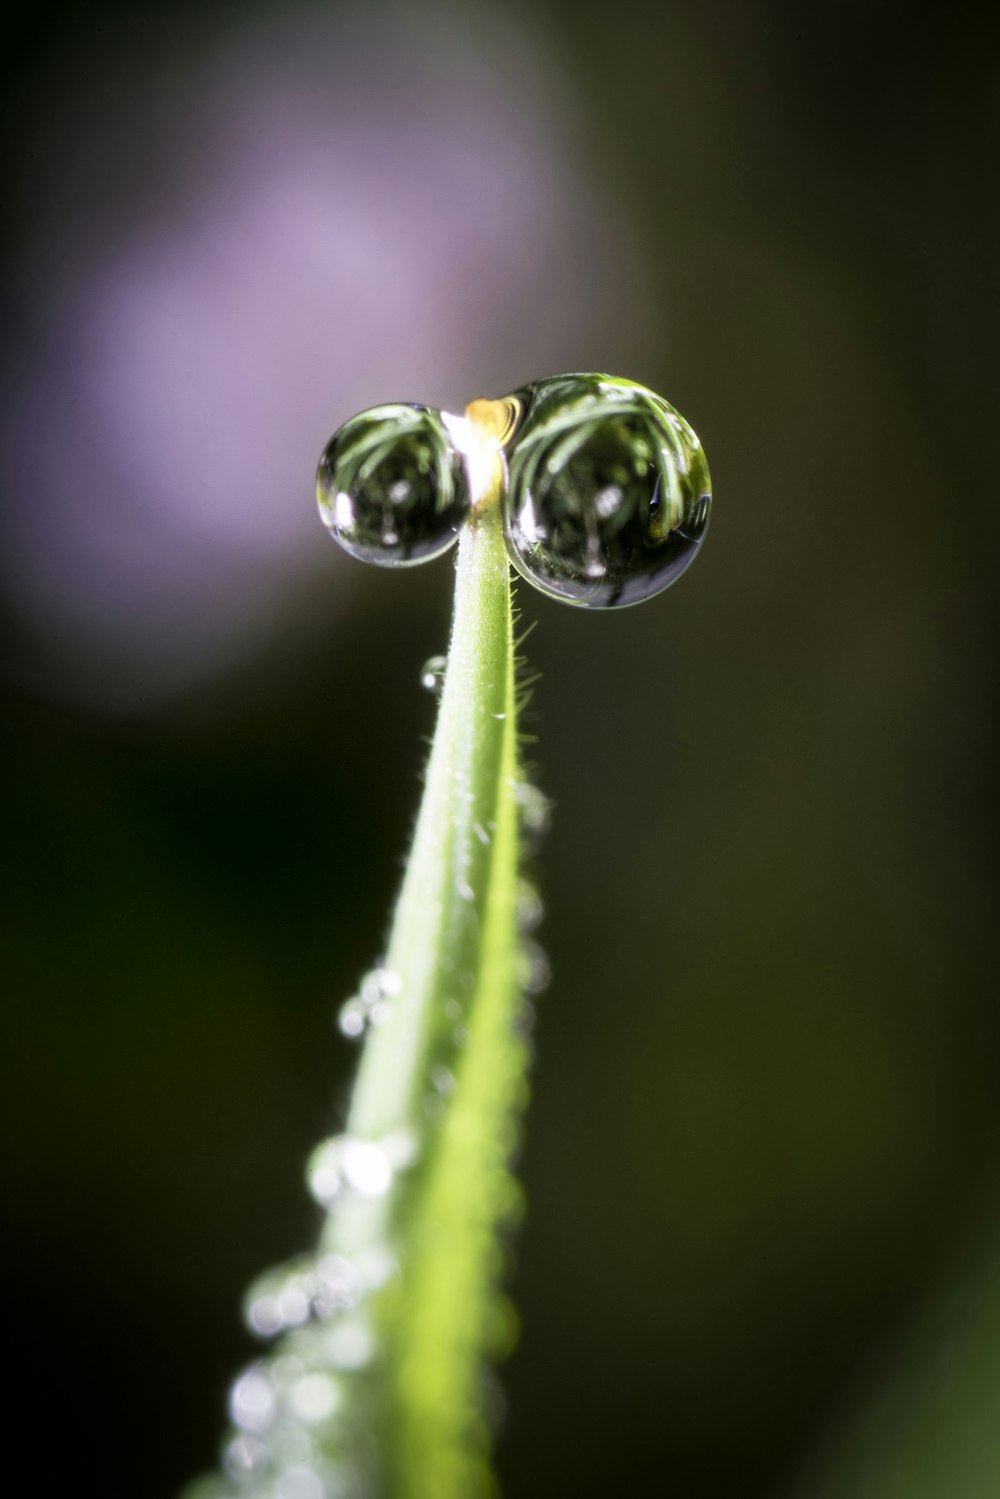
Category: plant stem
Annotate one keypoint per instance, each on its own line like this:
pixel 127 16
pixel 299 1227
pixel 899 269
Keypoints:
pixel 447 1065
pixel 373 1387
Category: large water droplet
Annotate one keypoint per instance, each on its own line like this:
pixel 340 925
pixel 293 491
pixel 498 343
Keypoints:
pixel 432 673
pixel 609 491
pixel 391 486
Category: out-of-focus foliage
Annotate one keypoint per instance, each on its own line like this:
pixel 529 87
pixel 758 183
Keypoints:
pixel 766 1107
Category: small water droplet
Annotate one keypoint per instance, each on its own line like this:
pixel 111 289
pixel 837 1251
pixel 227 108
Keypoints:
pixel 279 1299
pixel 432 673
pixel 314 1397
pixel 370 1006
pixel 443 1081
pixel 300 1483
pixel 536 972
pixel 251 1400
pixel 529 909
pixel 347 1163
pixel 376 1266
pixel 350 1344
pixel 534 808
pixel 352 1018
pixel 338 1284
pixel 245 1456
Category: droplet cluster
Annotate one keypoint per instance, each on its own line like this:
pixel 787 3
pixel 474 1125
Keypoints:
pixel 606 501
pixel 297 1429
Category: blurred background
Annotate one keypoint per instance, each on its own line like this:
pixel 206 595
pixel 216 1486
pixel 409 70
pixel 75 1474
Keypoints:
pixel 761 1161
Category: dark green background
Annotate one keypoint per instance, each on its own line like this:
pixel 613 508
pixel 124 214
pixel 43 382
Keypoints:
pixel 765 1104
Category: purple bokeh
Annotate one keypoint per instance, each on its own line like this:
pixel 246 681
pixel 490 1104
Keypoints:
pixel 329 215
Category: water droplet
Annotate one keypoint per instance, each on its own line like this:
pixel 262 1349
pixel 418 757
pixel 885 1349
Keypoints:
pixel 534 808
pixel 443 1081
pixel 338 1284
pixel 313 1397
pixel 279 1299
pixel 352 1019
pixel 370 1006
pixel 536 972
pixel 609 491
pixel 300 1483
pixel 348 1164
pixel 381 983
pixel 350 1344
pixel 392 486
pixel 528 908
pixel 251 1400
pixel 432 673
pixel 244 1456
pixel 376 1266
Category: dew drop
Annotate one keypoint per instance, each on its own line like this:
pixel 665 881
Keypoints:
pixel 432 673
pixel 244 1456
pixel 338 1284
pixel 528 907
pixel 350 1345
pixel 391 485
pixel 536 972
pixel 609 492
pixel 313 1398
pixel 534 808
pixel 352 1019
pixel 300 1482
pixel 279 1299
pixel 376 1266
pixel 443 1081
pixel 251 1400
pixel 348 1164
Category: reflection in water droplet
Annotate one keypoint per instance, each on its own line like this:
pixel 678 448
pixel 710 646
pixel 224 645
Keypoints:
pixel 432 673
pixel 251 1400
pixel 609 491
pixel 391 486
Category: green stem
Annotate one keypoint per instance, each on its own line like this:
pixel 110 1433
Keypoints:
pixel 446 1068
pixel 373 1386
